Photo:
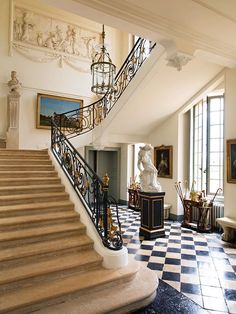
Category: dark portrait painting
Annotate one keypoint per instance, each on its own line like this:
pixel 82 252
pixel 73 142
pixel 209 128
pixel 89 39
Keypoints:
pixel 231 161
pixel 163 160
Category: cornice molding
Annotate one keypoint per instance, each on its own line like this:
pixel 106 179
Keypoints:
pixel 163 27
pixel 209 7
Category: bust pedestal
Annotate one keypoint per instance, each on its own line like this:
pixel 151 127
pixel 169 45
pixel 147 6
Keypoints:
pixel 152 214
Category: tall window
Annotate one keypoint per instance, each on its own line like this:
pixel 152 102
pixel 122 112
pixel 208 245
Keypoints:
pixel 206 144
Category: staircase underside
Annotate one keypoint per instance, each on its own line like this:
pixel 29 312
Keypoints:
pixel 47 262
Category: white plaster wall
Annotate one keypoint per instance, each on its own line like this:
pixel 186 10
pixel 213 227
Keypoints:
pixel 125 166
pixel 167 134
pixel 46 78
pixel 230 133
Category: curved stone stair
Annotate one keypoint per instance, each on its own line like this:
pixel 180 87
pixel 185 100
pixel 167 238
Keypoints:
pixel 46 258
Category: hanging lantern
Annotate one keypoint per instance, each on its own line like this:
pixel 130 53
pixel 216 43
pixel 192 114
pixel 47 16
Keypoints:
pixel 103 71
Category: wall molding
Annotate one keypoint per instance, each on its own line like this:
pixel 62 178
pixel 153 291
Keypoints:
pixel 164 27
pixel 42 38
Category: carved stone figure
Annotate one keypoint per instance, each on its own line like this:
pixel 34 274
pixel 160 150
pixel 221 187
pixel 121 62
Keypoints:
pixel 26 26
pixel 14 84
pixel 33 30
pixel 148 172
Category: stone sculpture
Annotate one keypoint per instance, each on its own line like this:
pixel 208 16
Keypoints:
pixel 148 172
pixel 14 84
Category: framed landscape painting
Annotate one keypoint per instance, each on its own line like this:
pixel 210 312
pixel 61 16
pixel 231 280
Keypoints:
pixel 47 105
pixel 163 158
pixel 231 161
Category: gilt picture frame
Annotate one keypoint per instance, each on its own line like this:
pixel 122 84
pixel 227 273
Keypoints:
pixel 163 159
pixel 231 161
pixel 47 105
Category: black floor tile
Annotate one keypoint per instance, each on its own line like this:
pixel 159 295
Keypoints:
pixel 190 288
pixel 172 261
pixel 167 275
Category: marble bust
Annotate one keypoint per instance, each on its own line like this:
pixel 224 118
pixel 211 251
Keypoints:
pixel 148 172
pixel 14 84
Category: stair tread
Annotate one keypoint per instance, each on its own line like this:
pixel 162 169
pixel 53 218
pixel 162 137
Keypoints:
pixel 35 206
pixel 24 167
pixel 21 151
pixel 3 172
pixel 50 265
pixel 26 187
pixel 30 187
pixel 79 282
pixel 38 218
pixel 40 231
pixel 31 179
pixel 28 196
pixel 48 246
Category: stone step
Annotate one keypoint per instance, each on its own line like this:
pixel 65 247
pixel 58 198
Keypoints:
pixel 23 152
pixel 27 174
pixel 34 209
pixel 29 181
pixel 40 233
pixel 23 167
pixel 29 299
pixel 31 189
pixel 17 157
pixel 18 276
pixel 32 198
pixel 44 249
pixel 125 297
pixel 21 161
pixel 12 223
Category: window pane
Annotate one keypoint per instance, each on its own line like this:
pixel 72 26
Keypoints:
pixel 215 117
pixel 214 159
pixel 215 145
pixel 214 172
pixel 215 131
pixel 215 104
pixel 214 185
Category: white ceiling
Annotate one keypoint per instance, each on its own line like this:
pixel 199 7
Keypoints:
pixel 204 29
pixel 195 25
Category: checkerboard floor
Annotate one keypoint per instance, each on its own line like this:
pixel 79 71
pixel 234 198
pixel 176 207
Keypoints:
pixel 200 266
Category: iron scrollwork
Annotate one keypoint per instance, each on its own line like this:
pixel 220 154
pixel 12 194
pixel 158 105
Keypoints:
pixel 83 120
pixel 90 188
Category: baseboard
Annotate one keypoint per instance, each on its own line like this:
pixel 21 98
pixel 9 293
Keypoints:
pixel 176 217
pixel 122 202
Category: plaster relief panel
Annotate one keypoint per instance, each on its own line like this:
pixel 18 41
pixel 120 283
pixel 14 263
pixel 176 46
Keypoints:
pixel 43 39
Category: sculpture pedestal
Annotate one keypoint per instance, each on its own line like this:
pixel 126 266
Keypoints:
pixel 152 215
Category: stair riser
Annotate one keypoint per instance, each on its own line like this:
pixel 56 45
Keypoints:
pixel 11 227
pixel 17 182
pixel 40 238
pixel 32 174
pixel 23 157
pixel 43 254
pixel 26 168
pixel 40 199
pixel 24 282
pixel 74 293
pixel 24 151
pixel 28 190
pixel 25 212
pixel 25 162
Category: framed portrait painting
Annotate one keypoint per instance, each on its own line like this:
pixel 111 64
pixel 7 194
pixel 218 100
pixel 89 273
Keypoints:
pixel 231 161
pixel 163 158
pixel 47 105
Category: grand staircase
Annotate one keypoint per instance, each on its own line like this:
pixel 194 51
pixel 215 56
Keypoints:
pixel 46 258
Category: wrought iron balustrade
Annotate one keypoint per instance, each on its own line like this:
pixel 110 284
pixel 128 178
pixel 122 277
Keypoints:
pixel 92 191
pixel 83 120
